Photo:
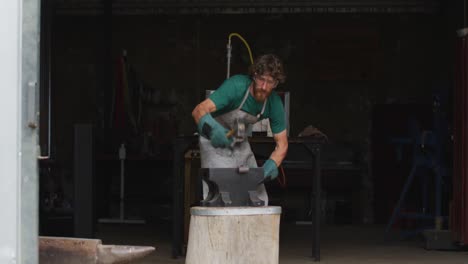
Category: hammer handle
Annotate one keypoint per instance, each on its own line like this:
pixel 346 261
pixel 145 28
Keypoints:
pixel 230 133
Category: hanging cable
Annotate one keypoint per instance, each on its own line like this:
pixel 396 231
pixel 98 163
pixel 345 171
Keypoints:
pixel 229 49
pixel 282 178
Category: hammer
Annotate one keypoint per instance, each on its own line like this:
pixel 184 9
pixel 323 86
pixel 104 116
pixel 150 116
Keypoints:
pixel 237 132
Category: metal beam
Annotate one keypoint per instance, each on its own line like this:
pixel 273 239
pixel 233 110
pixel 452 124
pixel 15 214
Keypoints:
pixel 126 7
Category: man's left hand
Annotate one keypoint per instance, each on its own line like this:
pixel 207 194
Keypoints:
pixel 270 169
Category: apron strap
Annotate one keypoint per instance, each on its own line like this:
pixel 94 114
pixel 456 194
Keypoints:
pixel 244 99
pixel 263 108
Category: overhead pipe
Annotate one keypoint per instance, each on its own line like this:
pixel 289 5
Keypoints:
pixel 229 50
pixel 135 7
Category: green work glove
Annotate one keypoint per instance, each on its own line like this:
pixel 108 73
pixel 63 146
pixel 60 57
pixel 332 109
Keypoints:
pixel 214 131
pixel 270 170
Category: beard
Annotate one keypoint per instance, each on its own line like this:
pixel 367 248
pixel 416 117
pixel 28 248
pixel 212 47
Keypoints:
pixel 259 94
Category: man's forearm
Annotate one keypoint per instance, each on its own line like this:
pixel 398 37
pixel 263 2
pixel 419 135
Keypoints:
pixel 279 154
pixel 202 109
pixel 281 148
pixel 198 113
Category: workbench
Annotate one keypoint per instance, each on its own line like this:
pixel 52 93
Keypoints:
pixel 303 153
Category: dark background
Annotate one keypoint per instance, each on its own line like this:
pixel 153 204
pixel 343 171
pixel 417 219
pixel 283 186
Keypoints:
pixel 357 71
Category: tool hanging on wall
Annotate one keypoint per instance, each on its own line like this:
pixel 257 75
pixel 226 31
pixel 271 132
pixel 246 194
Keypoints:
pixel 127 97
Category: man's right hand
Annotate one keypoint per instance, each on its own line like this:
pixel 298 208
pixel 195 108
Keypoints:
pixel 211 129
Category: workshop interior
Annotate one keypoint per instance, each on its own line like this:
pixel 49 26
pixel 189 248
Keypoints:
pixel 375 102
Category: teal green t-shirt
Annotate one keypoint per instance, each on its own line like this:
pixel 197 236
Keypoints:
pixel 229 96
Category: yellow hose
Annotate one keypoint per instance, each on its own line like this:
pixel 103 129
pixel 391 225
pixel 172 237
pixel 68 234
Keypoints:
pixel 245 42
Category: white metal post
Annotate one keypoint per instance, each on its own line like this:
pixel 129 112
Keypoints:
pixel 19 57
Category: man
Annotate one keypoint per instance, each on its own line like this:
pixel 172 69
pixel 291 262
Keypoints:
pixel 249 99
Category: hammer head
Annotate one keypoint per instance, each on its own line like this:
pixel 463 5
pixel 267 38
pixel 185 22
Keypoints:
pixel 238 132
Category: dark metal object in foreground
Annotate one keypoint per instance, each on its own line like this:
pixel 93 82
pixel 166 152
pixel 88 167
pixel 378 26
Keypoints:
pixel 439 240
pixel 232 186
pixel 59 250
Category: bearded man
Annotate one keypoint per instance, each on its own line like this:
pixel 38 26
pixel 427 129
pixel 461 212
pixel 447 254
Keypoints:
pixel 248 98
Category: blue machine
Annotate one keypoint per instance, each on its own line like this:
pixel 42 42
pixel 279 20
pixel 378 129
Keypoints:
pixel 428 164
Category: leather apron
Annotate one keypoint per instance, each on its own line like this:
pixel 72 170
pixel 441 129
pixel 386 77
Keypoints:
pixel 239 155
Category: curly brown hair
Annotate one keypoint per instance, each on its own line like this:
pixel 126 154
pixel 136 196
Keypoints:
pixel 268 64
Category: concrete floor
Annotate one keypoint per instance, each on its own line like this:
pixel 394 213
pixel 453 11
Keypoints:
pixel 341 244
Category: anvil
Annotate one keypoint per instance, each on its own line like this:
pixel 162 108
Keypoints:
pixel 232 186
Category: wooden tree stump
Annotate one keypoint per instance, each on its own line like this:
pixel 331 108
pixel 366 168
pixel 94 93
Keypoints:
pixel 234 235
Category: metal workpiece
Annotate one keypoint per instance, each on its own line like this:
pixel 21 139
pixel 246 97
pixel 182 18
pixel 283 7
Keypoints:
pixel 121 254
pixel 59 250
